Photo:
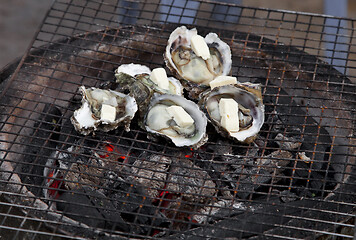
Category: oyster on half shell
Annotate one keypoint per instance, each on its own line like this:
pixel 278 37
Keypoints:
pixel 191 68
pixel 250 109
pixel 142 73
pixel 103 110
pixel 158 121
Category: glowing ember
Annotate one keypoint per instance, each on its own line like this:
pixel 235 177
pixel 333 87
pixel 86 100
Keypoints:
pixel 191 154
pixel 109 148
pixel 55 185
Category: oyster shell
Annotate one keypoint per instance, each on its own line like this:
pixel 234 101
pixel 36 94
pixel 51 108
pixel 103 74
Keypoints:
pixel 130 85
pixel 157 121
pixel 251 109
pixel 91 116
pixel 142 73
pixel 194 70
pixel 175 87
pixel 133 69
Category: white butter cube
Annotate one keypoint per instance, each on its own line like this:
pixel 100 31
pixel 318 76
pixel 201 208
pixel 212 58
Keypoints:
pixel 228 106
pixel 200 47
pixel 222 81
pixel 159 76
pixel 108 113
pixel 228 109
pixel 180 116
pixel 230 123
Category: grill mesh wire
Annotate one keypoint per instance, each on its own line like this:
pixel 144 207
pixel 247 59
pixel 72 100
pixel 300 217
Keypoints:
pixel 328 214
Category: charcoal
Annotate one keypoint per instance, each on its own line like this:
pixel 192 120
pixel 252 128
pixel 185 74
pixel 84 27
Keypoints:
pixel 189 180
pixel 218 210
pixel 288 196
pixel 305 176
pixel 249 223
pixel 277 159
pixel 151 172
pixel 217 171
pixel 304 157
pixel 248 185
pixel 249 176
pixel 287 143
pixel 221 147
pixel 91 207
pixel 78 169
pixel 275 163
pixel 132 202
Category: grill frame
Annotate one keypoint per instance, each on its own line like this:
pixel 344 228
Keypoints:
pixel 342 190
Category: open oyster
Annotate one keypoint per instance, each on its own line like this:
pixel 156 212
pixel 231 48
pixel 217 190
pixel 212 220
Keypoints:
pixel 250 111
pixel 103 110
pixel 142 73
pixel 182 130
pixel 186 65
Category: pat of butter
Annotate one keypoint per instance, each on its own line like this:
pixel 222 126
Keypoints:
pixel 159 76
pixel 230 123
pixel 228 108
pixel 222 81
pixel 108 113
pixel 200 47
pixel 180 116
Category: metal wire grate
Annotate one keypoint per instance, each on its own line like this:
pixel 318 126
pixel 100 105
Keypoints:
pixel 295 181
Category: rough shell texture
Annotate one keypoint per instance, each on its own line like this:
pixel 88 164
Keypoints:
pixel 194 137
pixel 87 118
pixel 133 69
pixel 195 72
pixel 245 94
pixel 175 87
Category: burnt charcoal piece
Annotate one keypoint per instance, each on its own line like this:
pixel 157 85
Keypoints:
pixel 135 207
pixel 76 167
pixel 288 196
pixel 81 165
pixel 248 223
pixel 275 163
pixel 308 182
pixel 243 175
pixel 222 147
pixel 91 207
pixel 218 210
pixel 190 180
pixel 251 180
pixel 151 172
pixel 288 143
pixel 288 121
pixel 80 174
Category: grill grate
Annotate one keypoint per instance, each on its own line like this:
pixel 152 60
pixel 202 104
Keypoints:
pixel 296 180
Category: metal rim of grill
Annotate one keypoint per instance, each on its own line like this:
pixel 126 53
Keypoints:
pixel 305 65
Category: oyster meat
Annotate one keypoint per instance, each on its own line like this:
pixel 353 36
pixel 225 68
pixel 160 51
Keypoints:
pixel 186 65
pixel 103 110
pixel 250 115
pixel 158 120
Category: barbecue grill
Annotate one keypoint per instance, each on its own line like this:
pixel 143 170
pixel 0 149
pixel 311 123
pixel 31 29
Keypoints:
pixel 295 181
